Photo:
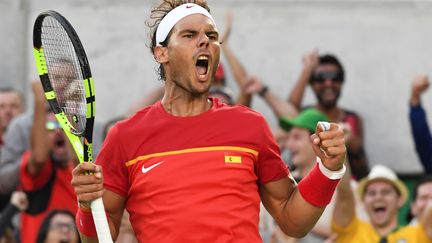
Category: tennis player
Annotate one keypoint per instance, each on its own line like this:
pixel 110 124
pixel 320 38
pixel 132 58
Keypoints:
pixel 192 169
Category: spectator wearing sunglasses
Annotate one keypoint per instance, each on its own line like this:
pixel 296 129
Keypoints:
pixel 419 126
pixel 58 227
pixel 45 170
pixel 326 76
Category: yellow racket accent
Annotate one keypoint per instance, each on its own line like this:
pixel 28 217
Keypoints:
pixel 40 61
pixel 50 95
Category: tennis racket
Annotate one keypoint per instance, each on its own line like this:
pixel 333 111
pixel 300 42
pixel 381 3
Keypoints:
pixel 66 78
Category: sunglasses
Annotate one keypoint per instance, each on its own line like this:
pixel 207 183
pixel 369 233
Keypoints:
pixel 62 226
pixel 52 125
pixel 321 77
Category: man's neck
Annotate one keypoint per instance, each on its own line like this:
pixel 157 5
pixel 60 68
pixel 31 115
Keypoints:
pixel 333 113
pixel 180 103
pixel 387 229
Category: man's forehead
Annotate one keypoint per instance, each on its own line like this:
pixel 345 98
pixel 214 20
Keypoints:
pixel 195 22
pixel 378 184
pixel 426 186
pixel 12 97
pixel 327 67
pixel 10 93
pixel 299 130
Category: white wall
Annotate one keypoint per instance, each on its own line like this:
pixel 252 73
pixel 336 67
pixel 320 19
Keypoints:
pixel 381 44
pixel 13 24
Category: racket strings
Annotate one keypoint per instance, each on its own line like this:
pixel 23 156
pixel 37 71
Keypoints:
pixel 64 73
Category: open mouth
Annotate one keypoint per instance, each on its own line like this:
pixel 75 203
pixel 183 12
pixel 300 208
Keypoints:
pixel 379 210
pixel 202 67
pixel 329 93
pixel 60 142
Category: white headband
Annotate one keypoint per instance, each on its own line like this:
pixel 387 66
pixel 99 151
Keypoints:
pixel 174 16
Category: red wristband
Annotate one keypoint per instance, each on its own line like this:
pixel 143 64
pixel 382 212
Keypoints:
pixel 85 223
pixel 316 188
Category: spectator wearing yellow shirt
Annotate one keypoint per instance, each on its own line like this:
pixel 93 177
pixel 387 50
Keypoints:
pixel 383 194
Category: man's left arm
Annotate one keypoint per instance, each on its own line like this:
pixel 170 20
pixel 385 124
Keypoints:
pixel 419 127
pixel 296 209
pixel 422 136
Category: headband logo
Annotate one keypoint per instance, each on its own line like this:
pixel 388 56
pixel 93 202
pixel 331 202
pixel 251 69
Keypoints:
pixel 174 16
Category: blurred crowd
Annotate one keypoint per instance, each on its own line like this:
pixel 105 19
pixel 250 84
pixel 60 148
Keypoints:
pixel 38 204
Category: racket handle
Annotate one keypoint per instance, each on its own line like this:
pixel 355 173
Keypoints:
pixel 100 220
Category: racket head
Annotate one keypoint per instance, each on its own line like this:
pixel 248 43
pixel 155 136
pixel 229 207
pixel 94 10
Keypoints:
pixel 66 78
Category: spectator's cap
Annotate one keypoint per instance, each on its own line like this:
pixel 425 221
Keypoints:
pixel 220 73
pixel 383 173
pixel 306 119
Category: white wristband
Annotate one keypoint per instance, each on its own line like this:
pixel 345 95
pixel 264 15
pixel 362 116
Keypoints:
pixel 332 175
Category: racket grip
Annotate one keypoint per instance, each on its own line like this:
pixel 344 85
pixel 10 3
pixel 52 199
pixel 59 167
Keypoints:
pixel 100 220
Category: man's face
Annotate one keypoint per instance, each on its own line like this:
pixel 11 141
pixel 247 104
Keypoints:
pixel 62 229
pixel 193 54
pixel 382 202
pixel 57 141
pixel 327 84
pixel 11 106
pixel 299 145
pixel 424 196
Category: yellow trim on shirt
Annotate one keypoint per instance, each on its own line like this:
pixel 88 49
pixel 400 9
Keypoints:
pixel 194 150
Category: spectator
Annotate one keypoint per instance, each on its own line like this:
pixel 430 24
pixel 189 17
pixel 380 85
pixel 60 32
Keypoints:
pixel 383 194
pixel 16 142
pixel 11 105
pixel 298 141
pixel 17 139
pixel 58 227
pixel 326 77
pixel 419 126
pixel 12 140
pixel 45 170
pixel 18 203
pixel 422 201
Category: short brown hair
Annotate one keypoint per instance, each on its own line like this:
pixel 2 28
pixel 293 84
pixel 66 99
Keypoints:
pixel 156 16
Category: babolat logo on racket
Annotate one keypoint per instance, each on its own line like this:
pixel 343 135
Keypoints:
pixel 89 150
pixel 75 118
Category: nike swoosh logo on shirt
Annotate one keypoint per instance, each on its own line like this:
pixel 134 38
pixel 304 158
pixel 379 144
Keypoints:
pixel 145 170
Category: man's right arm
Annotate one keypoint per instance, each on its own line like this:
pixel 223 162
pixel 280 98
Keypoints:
pixel 310 61
pixel 90 187
pixel 39 134
pixel 279 107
